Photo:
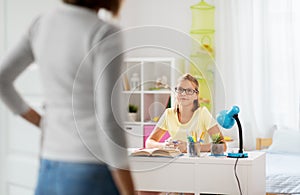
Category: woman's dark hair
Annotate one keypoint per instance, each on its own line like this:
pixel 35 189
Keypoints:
pixel 110 5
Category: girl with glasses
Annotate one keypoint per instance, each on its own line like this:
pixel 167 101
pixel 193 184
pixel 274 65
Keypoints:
pixel 186 118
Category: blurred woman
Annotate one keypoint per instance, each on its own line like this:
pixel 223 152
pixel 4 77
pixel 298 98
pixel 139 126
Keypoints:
pixel 79 55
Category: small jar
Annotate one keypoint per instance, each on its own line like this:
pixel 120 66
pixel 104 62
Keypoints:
pixel 135 81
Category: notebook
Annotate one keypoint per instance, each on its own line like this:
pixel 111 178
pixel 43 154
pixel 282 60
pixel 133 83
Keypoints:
pixel 168 152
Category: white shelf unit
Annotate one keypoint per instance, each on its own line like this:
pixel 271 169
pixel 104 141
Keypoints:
pixel 151 101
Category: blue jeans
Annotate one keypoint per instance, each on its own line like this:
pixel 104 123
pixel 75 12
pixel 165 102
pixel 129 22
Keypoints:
pixel 67 178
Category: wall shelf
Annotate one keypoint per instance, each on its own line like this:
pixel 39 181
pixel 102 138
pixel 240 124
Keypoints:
pixel 151 73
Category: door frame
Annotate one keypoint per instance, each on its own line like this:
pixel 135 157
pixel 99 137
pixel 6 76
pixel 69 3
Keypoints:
pixel 3 147
pixel 3 124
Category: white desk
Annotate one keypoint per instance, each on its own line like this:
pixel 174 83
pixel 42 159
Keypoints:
pixel 205 174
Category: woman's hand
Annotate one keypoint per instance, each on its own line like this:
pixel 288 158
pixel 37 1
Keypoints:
pixel 33 117
pixel 123 181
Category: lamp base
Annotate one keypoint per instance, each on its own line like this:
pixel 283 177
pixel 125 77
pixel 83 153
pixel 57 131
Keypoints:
pixel 237 155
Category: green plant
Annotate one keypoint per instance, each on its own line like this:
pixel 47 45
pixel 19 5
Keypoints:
pixel 132 108
pixel 217 138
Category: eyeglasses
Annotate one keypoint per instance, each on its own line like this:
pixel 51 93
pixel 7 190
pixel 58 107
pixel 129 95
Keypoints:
pixel 187 91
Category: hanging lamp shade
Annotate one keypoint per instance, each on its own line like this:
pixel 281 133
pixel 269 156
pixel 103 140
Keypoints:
pixel 202 29
pixel 202 16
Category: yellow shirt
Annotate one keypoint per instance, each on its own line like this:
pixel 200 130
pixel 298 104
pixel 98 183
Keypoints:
pixel 198 126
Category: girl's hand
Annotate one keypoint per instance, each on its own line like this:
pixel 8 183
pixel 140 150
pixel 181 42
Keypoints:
pixel 181 145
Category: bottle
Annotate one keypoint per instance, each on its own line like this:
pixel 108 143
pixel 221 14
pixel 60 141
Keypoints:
pixel 135 81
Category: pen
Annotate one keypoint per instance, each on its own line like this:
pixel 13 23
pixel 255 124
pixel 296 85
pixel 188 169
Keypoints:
pixel 201 137
pixel 194 136
pixel 190 139
pixel 175 142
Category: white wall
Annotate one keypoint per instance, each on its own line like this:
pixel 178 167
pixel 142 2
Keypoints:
pixel 19 15
pixel 175 14
pixel 171 13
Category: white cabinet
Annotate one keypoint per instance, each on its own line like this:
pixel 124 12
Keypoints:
pixel 148 83
pixel 207 174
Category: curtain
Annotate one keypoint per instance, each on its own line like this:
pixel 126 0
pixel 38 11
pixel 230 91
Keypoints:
pixel 257 64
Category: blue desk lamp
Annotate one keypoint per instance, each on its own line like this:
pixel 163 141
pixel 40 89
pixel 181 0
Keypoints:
pixel 226 119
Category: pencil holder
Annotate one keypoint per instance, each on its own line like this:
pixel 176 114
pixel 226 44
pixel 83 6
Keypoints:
pixel 193 149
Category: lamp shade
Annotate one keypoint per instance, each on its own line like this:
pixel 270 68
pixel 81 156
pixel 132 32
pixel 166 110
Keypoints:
pixel 225 117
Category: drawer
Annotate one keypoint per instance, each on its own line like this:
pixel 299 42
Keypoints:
pixel 134 135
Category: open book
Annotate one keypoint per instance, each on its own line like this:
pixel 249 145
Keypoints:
pixel 168 152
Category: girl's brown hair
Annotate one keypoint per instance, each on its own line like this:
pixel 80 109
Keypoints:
pixel 111 5
pixel 193 80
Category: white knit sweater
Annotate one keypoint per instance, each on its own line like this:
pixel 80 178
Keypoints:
pixel 76 53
